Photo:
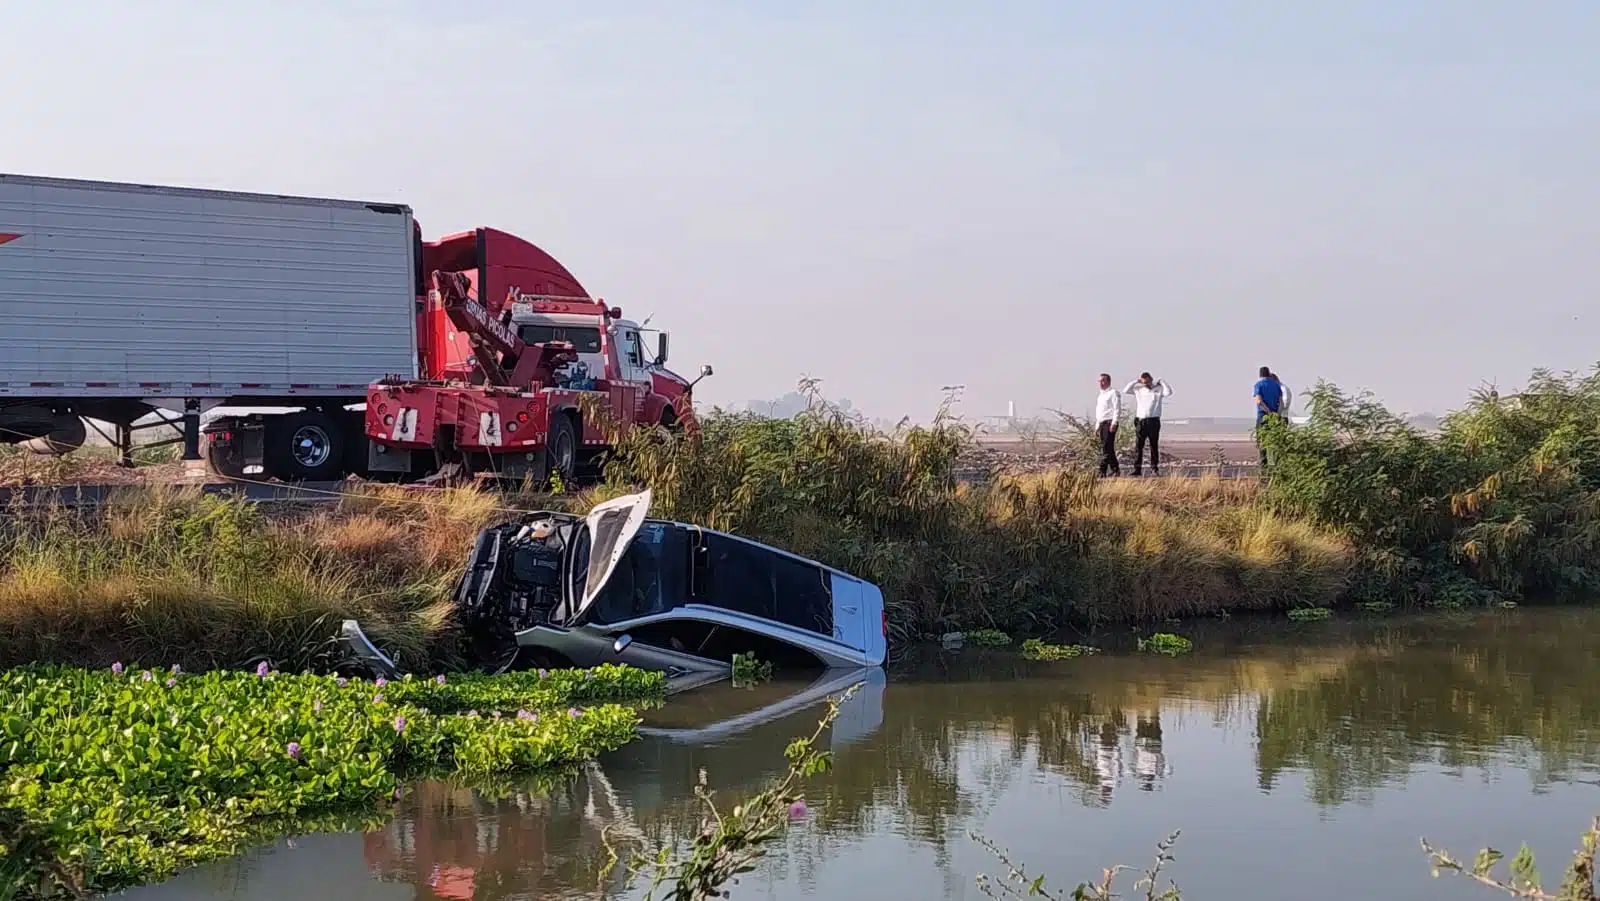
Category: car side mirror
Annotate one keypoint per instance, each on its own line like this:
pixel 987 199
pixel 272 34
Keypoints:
pixel 621 644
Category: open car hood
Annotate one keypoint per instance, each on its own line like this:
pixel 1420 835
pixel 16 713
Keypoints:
pixel 612 526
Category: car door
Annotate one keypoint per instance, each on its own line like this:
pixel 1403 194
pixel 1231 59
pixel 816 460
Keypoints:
pixel 611 528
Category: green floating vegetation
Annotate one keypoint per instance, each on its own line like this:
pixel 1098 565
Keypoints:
pixel 1166 643
pixel 1310 614
pixel 116 778
pixel 1375 606
pixel 989 638
pixel 749 672
pixel 1034 649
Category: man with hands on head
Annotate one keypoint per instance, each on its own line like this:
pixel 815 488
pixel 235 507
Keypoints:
pixel 1147 396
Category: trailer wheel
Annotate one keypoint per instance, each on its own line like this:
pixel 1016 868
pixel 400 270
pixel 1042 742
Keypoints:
pixel 561 450
pixel 67 434
pixel 307 446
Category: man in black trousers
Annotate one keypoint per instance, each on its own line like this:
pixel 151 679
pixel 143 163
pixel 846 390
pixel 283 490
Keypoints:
pixel 1107 413
pixel 1147 396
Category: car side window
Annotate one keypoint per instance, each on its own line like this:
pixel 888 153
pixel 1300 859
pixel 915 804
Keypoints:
pixel 630 341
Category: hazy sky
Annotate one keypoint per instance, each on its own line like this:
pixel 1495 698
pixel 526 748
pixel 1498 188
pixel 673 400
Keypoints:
pixel 895 196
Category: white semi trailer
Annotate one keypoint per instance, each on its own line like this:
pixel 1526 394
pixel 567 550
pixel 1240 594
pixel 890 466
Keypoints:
pixel 118 301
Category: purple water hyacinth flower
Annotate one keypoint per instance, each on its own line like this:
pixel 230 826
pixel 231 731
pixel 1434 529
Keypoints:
pixel 544 674
pixel 116 668
pixel 381 682
pixel 397 792
pixel 377 699
pixel 294 750
pixel 440 680
pixel 574 712
pixel 148 676
pixel 495 714
pixel 342 681
pixel 527 716
pixel 172 682
pixel 176 669
pixel 472 714
pixel 400 723
pixel 262 669
pixel 797 810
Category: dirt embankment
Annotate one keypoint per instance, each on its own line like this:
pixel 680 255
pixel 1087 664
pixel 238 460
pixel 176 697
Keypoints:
pixel 1230 456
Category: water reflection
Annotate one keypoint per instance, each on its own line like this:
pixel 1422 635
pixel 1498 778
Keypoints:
pixel 1236 743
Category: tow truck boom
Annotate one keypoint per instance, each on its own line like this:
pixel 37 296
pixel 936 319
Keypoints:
pixel 494 345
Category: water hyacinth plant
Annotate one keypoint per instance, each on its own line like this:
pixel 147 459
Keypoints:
pixel 989 638
pixel 750 671
pixel 1034 649
pixel 1166 643
pixel 117 781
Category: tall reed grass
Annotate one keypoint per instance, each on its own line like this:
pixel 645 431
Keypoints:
pixel 1024 554
pixel 171 575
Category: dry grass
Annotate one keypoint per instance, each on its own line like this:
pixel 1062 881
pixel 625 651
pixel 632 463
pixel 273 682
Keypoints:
pixel 166 575
pixel 1174 547
pixel 88 465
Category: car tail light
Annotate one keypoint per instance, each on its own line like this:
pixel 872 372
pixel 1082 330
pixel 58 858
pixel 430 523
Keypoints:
pixel 522 417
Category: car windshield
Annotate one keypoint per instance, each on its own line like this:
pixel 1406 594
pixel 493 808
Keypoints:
pixel 652 577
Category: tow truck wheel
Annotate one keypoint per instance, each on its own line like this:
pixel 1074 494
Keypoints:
pixel 561 448
pixel 306 446
pixel 222 464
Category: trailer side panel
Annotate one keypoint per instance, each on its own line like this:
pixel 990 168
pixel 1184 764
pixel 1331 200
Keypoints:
pixel 110 290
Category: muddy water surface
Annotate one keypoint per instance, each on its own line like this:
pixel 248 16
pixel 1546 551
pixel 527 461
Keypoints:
pixel 1299 761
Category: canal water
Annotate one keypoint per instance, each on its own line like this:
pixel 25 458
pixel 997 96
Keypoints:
pixel 1299 761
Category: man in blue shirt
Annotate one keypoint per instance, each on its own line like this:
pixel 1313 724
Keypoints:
pixel 1270 396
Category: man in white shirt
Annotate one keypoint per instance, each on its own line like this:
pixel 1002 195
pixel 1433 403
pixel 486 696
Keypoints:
pixel 1147 395
pixel 1107 413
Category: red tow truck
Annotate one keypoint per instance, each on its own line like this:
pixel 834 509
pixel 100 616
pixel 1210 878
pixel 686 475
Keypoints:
pixel 549 377
pixel 255 325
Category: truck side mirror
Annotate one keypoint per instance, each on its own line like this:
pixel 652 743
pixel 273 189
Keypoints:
pixel 661 348
pixel 705 370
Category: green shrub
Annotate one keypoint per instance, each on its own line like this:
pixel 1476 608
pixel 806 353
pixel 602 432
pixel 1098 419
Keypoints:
pixel 1499 503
